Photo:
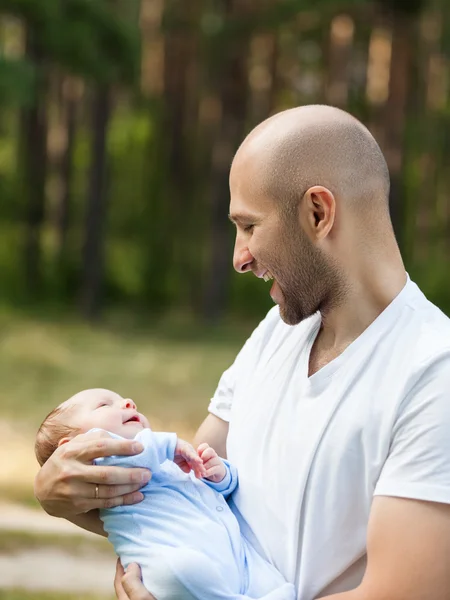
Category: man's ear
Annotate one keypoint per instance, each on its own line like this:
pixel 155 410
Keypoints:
pixel 317 212
pixel 63 440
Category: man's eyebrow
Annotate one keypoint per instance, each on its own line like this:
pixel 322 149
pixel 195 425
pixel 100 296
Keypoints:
pixel 241 218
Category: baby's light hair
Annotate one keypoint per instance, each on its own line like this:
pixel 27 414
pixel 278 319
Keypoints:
pixel 51 431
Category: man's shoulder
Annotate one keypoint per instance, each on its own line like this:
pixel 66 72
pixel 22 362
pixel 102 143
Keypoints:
pixel 431 329
pixel 425 356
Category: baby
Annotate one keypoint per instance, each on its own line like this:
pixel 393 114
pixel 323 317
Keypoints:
pixel 183 534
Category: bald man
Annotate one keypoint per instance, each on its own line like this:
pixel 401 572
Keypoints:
pixel 336 412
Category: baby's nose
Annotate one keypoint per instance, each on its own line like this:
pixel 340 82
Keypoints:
pixel 129 404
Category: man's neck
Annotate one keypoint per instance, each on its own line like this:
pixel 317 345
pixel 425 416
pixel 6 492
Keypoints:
pixel 365 299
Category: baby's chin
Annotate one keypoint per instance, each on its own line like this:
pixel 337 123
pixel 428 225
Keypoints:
pixel 129 430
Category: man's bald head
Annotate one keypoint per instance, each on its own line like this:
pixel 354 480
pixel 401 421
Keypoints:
pixel 316 145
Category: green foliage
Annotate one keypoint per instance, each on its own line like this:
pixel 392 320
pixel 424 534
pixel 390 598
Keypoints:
pixel 411 7
pixel 16 80
pixel 84 36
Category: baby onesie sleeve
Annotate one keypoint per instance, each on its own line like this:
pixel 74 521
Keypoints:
pixel 228 483
pixel 158 447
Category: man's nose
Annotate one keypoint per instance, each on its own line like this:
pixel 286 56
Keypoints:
pixel 242 259
pixel 129 404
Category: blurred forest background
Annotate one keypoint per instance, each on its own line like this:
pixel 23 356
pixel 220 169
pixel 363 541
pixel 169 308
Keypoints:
pixel 119 120
pixel 118 123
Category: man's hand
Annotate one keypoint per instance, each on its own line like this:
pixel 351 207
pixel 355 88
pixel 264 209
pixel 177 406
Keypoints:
pixel 188 459
pixel 66 484
pixel 213 464
pixel 128 586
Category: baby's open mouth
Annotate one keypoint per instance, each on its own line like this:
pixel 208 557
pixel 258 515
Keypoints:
pixel 134 419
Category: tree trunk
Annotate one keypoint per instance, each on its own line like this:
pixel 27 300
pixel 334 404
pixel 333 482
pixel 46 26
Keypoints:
pixel 181 101
pixel 34 156
pixel 63 211
pixel 395 113
pixel 93 250
pixel 340 44
pixel 233 94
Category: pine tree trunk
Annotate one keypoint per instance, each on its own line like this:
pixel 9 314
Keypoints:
pixel 233 95
pixel 67 168
pixel 180 96
pixel 34 157
pixel 93 250
pixel 395 112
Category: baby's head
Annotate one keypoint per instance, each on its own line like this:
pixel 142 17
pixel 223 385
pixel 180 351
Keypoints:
pixel 84 411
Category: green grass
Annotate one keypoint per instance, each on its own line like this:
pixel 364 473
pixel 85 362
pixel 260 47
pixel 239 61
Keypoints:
pixel 14 541
pixel 170 372
pixel 17 594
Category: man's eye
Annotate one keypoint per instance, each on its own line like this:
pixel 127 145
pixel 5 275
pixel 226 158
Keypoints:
pixel 248 228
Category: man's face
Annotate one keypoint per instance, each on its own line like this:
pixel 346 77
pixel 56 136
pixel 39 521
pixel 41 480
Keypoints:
pixel 106 410
pixel 271 244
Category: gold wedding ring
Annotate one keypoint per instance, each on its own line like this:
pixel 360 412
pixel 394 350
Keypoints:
pixel 96 492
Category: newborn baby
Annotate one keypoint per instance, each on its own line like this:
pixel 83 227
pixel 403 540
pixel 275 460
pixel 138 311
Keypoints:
pixel 183 534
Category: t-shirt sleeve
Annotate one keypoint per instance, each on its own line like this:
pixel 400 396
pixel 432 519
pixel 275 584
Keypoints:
pixel 220 404
pixel 418 465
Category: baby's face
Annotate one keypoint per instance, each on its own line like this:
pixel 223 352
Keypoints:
pixel 106 410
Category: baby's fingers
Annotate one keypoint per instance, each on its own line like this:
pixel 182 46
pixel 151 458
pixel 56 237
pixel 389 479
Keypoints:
pixel 214 472
pixel 181 462
pixel 198 467
pixel 194 461
pixel 202 448
pixel 207 454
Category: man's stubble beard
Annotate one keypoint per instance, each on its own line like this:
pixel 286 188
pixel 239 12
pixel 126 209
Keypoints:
pixel 309 281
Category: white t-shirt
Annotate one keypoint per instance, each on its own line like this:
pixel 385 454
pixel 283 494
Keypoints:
pixel 312 452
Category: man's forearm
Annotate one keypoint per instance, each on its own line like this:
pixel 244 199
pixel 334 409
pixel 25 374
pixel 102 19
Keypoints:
pixel 214 432
pixel 90 521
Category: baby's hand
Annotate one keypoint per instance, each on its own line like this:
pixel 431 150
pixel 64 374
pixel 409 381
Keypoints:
pixel 214 465
pixel 188 459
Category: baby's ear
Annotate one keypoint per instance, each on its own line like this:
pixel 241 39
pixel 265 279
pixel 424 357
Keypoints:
pixel 63 440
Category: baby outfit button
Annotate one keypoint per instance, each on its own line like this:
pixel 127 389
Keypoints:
pixel 219 508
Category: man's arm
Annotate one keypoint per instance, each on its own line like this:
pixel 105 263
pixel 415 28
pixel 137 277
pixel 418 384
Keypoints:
pixel 213 431
pixel 408 552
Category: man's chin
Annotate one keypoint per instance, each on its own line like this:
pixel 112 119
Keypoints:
pixel 290 316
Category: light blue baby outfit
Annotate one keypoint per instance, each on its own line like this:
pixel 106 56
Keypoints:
pixel 184 535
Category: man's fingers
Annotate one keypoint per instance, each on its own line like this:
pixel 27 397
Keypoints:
pixel 133 586
pixel 107 476
pixel 117 501
pixel 118 587
pixel 113 491
pixel 86 450
pixel 108 497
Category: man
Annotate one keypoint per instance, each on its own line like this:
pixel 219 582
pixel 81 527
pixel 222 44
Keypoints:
pixel 336 411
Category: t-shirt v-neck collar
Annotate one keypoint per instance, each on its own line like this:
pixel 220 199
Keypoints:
pixel 384 321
